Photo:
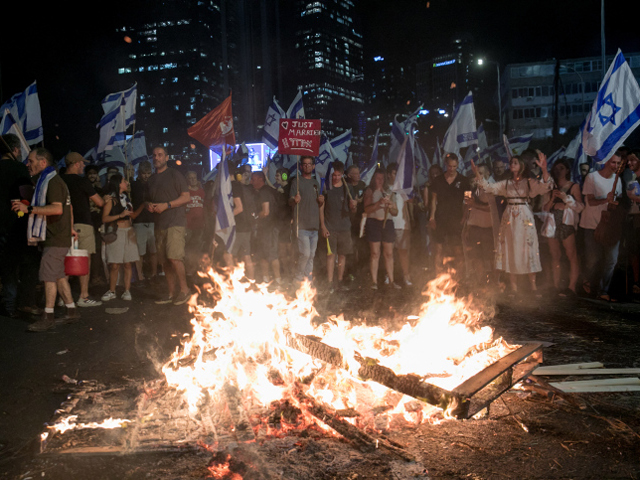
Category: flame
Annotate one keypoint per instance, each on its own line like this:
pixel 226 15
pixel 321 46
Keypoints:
pixel 241 342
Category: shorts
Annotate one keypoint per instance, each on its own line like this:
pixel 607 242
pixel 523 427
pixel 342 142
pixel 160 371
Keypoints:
pixel 447 232
pixel 125 247
pixel 341 243
pixel 170 244
pixel 242 245
pixel 265 245
pixel 375 232
pixel 86 237
pixel 403 239
pixel 145 234
pixel 52 264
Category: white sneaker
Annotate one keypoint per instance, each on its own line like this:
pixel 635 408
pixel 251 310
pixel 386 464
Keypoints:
pixel 60 302
pixel 408 282
pixel 108 296
pixel 88 302
pixel 126 295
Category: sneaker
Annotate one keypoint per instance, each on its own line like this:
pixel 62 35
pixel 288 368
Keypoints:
pixel 374 286
pixel 88 302
pixel 164 300
pixel 108 296
pixel 181 298
pixel 60 302
pixel 386 279
pixel 408 282
pixel 47 322
pixel 396 286
pixel 72 316
pixel 126 295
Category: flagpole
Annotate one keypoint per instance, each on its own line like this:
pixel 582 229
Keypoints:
pixel 298 193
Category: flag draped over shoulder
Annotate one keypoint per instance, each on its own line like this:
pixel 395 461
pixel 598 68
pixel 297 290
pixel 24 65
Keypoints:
pixel 463 131
pixel 216 127
pixel 271 129
pixel 25 109
pixel 225 221
pixel 615 112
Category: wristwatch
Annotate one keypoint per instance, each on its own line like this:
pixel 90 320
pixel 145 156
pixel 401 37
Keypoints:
pixel 29 209
pixel 168 205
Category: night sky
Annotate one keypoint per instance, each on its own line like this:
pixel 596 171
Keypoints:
pixel 65 48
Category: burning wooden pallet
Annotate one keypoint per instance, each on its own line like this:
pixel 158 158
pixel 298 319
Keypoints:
pixel 156 419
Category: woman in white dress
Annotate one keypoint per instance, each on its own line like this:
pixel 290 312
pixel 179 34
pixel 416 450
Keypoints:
pixel 517 251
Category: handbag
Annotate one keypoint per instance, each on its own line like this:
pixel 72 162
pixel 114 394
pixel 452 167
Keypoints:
pixel 110 232
pixel 549 226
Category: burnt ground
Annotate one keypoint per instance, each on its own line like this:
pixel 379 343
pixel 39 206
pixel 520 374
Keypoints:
pixel 525 435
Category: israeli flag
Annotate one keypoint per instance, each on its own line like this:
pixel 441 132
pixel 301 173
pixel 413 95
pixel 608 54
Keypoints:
pixel 271 129
pixel 576 151
pixel 554 157
pixel 112 128
pixel 438 157
pixel 225 221
pixel 325 158
pixel 422 164
pixel 404 182
pixel 463 131
pixel 615 112
pixel 136 148
pixel 125 100
pixel 367 172
pixel 25 109
pixel 9 125
pixel 340 146
pixel 296 109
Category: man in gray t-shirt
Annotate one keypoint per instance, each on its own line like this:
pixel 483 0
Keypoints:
pixel 306 199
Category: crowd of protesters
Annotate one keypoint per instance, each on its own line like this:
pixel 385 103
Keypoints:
pixel 156 226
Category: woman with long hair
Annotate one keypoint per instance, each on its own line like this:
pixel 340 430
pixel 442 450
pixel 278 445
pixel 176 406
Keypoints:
pixel 379 229
pixel 124 250
pixel 517 252
pixel 565 205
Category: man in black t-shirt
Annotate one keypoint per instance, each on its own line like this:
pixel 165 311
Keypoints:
pixel 266 240
pixel 82 193
pixel 244 209
pixel 447 210
pixel 168 195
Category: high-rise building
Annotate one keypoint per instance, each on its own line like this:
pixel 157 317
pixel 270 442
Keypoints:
pixel 185 57
pixel 329 65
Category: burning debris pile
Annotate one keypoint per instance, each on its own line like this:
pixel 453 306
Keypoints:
pixel 259 365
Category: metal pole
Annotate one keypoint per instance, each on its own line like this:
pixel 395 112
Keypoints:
pixel 499 102
pixel 602 40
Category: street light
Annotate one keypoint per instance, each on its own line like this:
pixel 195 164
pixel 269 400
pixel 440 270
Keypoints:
pixel 481 62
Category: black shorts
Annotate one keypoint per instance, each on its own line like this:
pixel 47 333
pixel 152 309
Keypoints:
pixel 375 232
pixel 449 232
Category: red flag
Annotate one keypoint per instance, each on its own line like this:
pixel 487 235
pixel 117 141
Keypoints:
pixel 216 127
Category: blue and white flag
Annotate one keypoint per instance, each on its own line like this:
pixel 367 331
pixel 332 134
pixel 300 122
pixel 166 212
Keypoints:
pixel 112 130
pixel 271 129
pixel 136 148
pixel 367 172
pixel 296 109
pixel 125 100
pixel 554 157
pixel 404 182
pixel 325 157
pixel 225 220
pixel 438 157
pixel 576 151
pixel 463 131
pixel 25 108
pixel 399 130
pixel 422 164
pixel 9 125
pixel 615 112
pixel 340 146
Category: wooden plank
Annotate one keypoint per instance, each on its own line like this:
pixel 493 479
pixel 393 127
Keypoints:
pixel 486 376
pixel 590 371
pixel 570 365
pixel 598 382
pixel 601 388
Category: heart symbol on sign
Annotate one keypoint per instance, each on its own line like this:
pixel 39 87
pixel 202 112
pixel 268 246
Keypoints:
pixel 285 125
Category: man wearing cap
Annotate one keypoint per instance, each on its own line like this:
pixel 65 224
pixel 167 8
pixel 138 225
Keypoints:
pixel 82 192
pixel 50 225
